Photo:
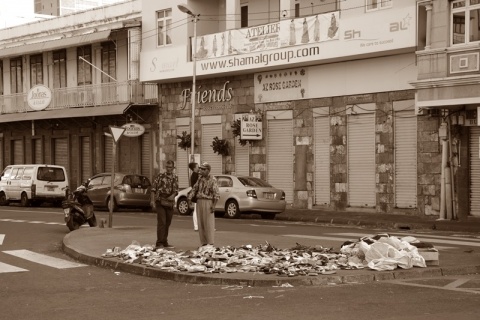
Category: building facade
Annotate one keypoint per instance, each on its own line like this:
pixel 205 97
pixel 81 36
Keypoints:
pixel 331 83
pixel 65 81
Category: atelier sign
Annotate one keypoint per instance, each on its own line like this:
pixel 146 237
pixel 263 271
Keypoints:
pixel 133 130
pixel 39 97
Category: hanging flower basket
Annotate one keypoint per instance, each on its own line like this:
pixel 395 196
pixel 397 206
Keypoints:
pixel 236 127
pixel 220 146
pixel 185 140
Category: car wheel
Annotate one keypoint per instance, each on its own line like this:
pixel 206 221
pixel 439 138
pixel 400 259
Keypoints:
pixel 24 202
pixel 112 204
pixel 3 199
pixel 232 210
pixel 182 207
pixel 269 216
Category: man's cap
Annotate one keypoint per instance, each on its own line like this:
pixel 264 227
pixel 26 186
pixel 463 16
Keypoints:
pixel 205 165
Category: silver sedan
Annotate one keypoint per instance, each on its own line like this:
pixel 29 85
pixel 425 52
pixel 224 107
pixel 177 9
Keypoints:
pixel 241 194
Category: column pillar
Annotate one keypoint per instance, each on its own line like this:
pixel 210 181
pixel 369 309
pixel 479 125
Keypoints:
pixel 232 13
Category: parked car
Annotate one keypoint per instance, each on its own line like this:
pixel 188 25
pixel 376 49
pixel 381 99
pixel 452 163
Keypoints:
pixel 241 194
pixel 130 191
pixel 32 184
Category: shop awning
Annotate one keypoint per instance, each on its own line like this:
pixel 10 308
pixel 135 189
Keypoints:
pixel 65 113
pixel 55 44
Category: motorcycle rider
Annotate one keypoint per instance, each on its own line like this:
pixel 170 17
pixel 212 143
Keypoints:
pixel 83 199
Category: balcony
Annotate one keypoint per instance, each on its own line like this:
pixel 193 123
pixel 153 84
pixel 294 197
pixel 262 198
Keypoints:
pixel 97 96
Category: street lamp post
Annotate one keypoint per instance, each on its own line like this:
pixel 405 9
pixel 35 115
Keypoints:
pixel 193 97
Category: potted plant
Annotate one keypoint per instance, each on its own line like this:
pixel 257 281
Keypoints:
pixel 236 127
pixel 185 140
pixel 220 146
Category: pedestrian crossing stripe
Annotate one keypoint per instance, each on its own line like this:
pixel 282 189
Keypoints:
pixel 6 268
pixel 34 222
pixel 44 259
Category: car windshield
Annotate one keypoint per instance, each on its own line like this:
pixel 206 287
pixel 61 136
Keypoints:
pixel 253 182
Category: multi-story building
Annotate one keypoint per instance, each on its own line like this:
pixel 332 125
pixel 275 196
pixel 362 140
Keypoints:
pixel 448 88
pixel 331 82
pixel 62 7
pixel 65 81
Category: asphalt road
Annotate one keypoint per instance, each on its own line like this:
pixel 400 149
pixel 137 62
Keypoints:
pixel 60 288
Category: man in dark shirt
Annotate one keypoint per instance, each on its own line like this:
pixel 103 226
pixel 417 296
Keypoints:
pixel 193 179
pixel 164 189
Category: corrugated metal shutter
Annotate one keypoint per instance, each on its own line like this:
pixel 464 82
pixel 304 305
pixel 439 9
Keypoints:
pixel 405 159
pixel 123 144
pixel 242 159
pixel 86 158
pixel 107 153
pixel 60 152
pixel 2 155
pixel 322 160
pixel 210 131
pixel 37 151
pixel 182 160
pixel 280 156
pixel 474 171
pixel 361 160
pixel 145 159
pixel 18 154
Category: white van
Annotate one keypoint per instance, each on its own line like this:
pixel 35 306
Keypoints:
pixel 32 184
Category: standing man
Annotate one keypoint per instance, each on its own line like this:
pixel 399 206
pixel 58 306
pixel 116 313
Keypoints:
pixel 193 179
pixel 206 190
pixel 164 190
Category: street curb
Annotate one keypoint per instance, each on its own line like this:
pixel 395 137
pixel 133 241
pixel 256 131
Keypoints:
pixel 233 279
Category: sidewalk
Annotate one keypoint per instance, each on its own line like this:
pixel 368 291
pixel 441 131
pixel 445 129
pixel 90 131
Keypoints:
pixel 88 244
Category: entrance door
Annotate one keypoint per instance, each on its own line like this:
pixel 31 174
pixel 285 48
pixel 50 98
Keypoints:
pixel 322 160
pixel 210 131
pixel 280 155
pixel 361 160
pixel 182 160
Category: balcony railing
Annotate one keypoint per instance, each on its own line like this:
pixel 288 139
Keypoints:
pixel 87 96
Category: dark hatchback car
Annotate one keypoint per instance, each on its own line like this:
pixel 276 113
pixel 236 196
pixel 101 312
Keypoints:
pixel 130 191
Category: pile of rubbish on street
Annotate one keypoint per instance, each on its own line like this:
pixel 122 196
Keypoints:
pixel 381 252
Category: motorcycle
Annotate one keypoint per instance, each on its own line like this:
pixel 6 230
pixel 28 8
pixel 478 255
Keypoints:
pixel 78 208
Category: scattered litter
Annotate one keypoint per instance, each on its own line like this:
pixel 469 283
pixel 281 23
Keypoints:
pixel 381 252
pixel 117 273
pixel 253 297
pixel 284 285
pixel 233 287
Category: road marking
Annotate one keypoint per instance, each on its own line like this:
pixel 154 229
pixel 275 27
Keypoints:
pixel 472 242
pixel 44 259
pixel 34 222
pixel 6 268
pixel 452 286
pixel 258 225
pixel 2 237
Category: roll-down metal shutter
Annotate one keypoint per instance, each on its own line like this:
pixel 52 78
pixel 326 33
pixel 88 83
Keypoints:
pixel 182 160
pixel 107 153
pixel 361 160
pixel 474 171
pixel 145 159
pixel 210 131
pixel 242 158
pixel 322 160
pixel 280 156
pixel 37 151
pixel 18 154
pixel 60 152
pixel 405 159
pixel 86 158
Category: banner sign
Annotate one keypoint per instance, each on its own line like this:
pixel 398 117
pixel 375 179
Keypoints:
pixel 251 127
pixel 319 28
pixel 281 85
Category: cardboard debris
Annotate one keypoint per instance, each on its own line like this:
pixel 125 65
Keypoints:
pixel 382 252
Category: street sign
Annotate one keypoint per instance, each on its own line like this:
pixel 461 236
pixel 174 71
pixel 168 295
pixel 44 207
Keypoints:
pixel 116 132
pixel 133 130
pixel 250 128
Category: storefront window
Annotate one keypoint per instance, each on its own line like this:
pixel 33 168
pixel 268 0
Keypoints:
pixel 462 11
pixel 164 25
pixel 59 69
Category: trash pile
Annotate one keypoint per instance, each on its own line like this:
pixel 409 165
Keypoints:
pixel 381 252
